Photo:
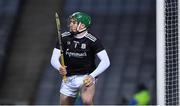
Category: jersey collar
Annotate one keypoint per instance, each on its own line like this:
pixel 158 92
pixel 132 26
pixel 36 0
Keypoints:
pixel 81 36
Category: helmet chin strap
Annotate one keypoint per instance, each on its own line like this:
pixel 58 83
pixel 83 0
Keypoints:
pixel 79 30
pixel 78 27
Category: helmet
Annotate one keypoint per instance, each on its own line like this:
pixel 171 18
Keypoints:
pixel 82 17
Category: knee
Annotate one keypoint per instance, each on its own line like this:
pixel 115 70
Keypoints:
pixel 87 101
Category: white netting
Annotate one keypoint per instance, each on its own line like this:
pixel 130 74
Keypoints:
pixel 171 31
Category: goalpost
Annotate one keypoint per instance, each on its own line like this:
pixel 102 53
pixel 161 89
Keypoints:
pixel 167 41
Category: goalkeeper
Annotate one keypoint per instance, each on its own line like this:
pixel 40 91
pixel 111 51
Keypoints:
pixel 80 49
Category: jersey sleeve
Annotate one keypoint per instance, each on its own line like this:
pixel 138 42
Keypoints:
pixel 97 46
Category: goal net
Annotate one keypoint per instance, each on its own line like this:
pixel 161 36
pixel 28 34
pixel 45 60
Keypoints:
pixel 167 52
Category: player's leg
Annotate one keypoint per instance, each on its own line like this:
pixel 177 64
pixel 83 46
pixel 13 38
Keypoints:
pixel 66 100
pixel 87 94
pixel 68 91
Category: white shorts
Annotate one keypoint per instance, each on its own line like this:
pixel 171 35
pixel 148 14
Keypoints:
pixel 72 85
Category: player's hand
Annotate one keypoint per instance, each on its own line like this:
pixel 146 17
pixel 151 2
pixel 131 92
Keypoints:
pixel 63 70
pixel 88 80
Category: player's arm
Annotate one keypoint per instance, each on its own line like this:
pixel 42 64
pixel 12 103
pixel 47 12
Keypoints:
pixel 103 65
pixel 55 61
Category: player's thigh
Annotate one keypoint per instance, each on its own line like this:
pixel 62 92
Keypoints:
pixel 87 93
pixel 66 100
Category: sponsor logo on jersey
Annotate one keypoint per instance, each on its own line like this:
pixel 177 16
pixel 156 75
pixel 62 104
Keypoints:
pixel 74 54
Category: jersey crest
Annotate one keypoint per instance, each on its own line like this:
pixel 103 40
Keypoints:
pixel 83 46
